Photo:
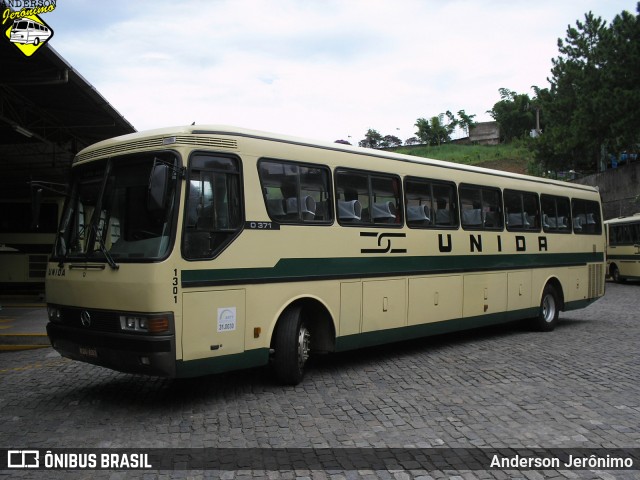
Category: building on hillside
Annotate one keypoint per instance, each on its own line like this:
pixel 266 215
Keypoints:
pixel 485 133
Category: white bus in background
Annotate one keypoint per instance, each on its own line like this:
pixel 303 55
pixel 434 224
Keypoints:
pixel 26 243
pixel 623 248
pixel 28 31
pixel 194 250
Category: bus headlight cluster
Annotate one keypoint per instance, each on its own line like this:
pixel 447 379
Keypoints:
pixel 143 324
pixel 54 313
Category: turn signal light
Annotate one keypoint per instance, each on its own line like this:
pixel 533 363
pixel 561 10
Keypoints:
pixel 158 325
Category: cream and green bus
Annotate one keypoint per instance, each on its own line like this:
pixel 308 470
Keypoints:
pixel 623 248
pixel 196 250
pixel 26 240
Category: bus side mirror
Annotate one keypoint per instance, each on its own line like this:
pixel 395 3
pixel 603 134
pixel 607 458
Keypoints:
pixel 158 187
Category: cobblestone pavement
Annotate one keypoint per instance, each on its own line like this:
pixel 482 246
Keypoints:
pixel 577 387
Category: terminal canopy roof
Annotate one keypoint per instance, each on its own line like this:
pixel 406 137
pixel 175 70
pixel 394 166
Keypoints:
pixel 48 112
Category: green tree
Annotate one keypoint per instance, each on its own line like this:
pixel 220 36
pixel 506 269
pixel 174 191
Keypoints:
pixel 435 131
pixel 622 81
pixel 466 121
pixel 438 130
pixel 591 106
pixel 424 130
pixel 514 113
pixel 389 141
pixel 372 139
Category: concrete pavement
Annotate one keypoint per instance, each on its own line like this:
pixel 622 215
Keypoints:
pixel 501 387
pixel 23 321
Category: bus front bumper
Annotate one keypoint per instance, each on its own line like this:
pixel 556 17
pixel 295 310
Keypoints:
pixel 142 354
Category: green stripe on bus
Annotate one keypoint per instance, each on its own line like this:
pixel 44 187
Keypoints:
pixel 259 357
pixel 635 257
pixel 295 269
pixel 380 337
pixel 225 363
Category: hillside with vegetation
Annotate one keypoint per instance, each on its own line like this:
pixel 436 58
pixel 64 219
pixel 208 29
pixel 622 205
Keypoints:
pixel 513 157
pixel 586 120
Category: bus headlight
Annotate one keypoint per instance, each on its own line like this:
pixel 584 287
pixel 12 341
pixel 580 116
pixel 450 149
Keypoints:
pixel 145 324
pixel 131 323
pixel 54 313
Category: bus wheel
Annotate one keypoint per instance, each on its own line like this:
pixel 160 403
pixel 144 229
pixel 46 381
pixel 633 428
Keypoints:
pixel 292 346
pixel 36 42
pixel 549 311
pixel 615 274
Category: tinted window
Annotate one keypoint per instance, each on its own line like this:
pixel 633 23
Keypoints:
pixel 295 193
pixel 480 208
pixel 521 211
pixel 556 214
pixel 586 217
pixel 430 203
pixel 368 198
pixel 628 234
pixel 213 211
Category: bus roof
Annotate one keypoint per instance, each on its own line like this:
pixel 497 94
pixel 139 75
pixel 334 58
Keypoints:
pixel 635 218
pixel 176 135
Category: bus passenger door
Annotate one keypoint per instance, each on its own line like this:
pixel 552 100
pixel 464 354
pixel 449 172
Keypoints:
pixel 213 323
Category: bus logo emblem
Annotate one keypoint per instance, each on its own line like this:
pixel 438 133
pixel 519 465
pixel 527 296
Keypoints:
pixel 85 318
pixel 28 32
pixel 384 242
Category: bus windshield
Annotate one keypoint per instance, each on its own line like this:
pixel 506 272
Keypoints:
pixel 109 215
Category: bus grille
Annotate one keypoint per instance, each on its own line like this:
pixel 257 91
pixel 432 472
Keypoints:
pixel 596 284
pixel 119 148
pixel 215 142
pixel 100 321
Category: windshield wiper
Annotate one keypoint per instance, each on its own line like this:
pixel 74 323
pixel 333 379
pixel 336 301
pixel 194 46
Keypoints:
pixel 103 249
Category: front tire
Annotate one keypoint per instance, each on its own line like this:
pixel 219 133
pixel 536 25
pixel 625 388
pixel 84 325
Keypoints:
pixel 292 347
pixel 549 311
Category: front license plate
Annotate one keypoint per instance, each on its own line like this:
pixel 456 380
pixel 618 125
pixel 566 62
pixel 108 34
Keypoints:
pixel 88 352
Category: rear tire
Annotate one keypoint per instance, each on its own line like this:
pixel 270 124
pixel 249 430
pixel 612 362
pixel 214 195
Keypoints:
pixel 549 311
pixel 292 346
pixel 615 274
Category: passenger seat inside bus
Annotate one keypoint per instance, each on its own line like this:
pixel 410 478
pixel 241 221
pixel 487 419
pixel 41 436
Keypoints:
pixel 349 210
pixel 384 212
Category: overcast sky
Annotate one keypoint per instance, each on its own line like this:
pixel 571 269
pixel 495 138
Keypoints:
pixel 326 70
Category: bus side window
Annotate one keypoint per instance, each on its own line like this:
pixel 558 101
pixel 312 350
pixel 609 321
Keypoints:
pixel 365 198
pixel 521 211
pixel 213 212
pixel 430 203
pixel 586 217
pixel 419 203
pixel 352 193
pixel 556 214
pixel 294 192
pixel 480 208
